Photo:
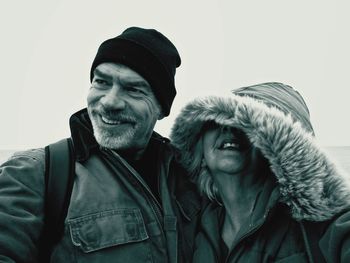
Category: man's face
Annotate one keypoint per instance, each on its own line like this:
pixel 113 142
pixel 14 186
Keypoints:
pixel 122 108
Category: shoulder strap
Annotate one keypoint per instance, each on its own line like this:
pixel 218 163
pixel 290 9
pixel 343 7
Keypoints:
pixel 59 178
pixel 312 233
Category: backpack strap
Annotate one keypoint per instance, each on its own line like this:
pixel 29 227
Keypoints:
pixel 312 233
pixel 59 179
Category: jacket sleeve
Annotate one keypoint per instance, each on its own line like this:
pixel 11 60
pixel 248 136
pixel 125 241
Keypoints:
pixel 21 205
pixel 335 243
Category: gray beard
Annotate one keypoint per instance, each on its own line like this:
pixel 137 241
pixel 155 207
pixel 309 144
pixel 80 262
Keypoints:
pixel 112 140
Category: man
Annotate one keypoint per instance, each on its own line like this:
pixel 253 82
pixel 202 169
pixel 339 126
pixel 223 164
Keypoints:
pixel 130 201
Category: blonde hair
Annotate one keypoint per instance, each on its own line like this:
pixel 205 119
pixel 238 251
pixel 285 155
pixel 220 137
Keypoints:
pixel 200 173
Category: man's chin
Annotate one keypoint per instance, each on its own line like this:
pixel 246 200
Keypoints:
pixel 112 144
pixel 113 141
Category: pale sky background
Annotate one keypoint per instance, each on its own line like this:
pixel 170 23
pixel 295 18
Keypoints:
pixel 47 47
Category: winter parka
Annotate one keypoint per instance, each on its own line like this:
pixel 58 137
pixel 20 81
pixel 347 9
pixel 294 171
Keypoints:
pixel 113 216
pixel 299 216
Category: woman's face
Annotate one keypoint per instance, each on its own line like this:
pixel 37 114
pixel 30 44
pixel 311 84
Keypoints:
pixel 226 150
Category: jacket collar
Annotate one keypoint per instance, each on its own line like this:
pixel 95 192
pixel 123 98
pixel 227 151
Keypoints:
pixel 82 135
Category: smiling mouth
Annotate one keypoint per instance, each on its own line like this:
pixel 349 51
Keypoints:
pixel 114 121
pixel 229 145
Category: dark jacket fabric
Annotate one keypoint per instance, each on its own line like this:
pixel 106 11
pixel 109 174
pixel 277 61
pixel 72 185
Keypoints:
pixel 113 215
pixel 306 190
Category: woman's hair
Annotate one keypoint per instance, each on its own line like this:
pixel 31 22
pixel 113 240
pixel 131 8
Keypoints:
pixel 198 170
pixel 200 173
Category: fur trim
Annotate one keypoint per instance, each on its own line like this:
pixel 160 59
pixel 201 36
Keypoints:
pixel 309 181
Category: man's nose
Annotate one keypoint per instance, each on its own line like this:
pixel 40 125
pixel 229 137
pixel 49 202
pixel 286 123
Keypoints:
pixel 114 99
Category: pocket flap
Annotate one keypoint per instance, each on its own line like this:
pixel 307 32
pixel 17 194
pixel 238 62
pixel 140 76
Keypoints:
pixel 108 228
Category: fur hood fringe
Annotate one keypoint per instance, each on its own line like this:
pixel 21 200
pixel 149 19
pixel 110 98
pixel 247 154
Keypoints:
pixel 310 182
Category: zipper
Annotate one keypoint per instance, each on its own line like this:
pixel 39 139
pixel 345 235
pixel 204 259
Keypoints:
pixel 156 207
pixel 271 208
pixel 250 232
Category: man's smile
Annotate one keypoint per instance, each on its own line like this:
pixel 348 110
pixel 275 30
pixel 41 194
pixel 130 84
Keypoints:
pixel 109 120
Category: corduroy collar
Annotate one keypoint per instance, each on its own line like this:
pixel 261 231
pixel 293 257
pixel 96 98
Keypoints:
pixel 82 135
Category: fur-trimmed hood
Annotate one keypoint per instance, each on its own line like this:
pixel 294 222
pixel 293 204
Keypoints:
pixel 309 181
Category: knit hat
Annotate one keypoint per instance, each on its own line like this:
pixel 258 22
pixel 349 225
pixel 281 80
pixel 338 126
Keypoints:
pixel 282 97
pixel 150 54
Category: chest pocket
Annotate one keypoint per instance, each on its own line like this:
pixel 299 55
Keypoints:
pixel 108 228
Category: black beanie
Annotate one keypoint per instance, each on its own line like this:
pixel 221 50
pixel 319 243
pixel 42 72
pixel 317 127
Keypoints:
pixel 150 54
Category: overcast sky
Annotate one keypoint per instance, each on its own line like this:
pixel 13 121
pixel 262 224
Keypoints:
pixel 47 47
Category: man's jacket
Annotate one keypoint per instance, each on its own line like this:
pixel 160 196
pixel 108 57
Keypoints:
pixel 112 217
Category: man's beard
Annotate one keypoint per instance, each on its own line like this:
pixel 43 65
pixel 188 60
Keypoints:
pixel 111 138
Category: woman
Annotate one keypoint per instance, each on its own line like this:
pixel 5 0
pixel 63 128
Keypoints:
pixel 270 192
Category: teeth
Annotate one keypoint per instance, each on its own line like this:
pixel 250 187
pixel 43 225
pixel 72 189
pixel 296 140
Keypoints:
pixel 229 145
pixel 108 121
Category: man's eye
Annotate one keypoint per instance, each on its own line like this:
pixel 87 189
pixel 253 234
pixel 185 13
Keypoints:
pixel 101 81
pixel 134 90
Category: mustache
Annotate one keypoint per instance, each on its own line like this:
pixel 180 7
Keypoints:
pixel 115 115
